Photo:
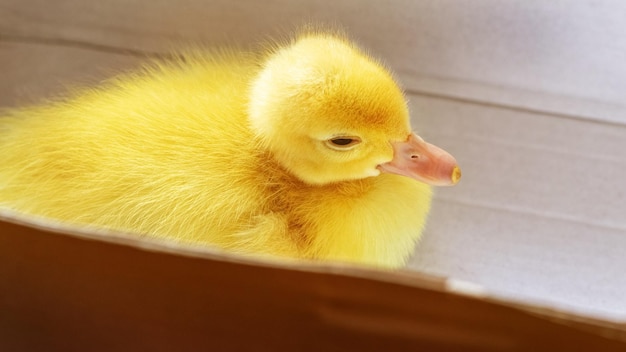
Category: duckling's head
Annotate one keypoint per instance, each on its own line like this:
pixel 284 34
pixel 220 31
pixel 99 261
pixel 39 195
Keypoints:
pixel 329 113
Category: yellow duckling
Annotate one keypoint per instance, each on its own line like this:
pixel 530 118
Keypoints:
pixel 304 152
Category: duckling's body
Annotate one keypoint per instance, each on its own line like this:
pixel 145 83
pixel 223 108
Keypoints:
pixel 170 152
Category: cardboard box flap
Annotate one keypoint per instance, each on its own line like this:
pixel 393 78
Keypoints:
pixel 79 291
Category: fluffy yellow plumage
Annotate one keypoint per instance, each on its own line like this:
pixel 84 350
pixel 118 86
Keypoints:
pixel 296 154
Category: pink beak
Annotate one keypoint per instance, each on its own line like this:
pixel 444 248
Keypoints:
pixel 422 161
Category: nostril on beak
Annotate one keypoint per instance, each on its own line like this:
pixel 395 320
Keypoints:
pixel 415 156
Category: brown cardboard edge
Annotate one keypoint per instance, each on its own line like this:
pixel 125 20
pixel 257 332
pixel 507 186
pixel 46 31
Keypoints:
pixel 402 277
pixel 587 326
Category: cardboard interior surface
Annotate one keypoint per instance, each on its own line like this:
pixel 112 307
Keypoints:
pixel 530 96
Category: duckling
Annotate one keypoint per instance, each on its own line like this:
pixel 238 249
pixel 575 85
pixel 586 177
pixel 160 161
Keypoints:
pixel 305 151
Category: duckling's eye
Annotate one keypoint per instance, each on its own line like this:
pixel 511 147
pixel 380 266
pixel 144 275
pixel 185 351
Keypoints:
pixel 343 143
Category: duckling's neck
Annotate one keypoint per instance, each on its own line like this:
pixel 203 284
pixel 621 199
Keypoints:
pixel 287 184
pixel 344 220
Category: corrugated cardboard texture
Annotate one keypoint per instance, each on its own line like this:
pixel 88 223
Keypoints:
pixel 528 95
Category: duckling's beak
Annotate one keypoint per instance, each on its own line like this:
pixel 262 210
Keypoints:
pixel 423 161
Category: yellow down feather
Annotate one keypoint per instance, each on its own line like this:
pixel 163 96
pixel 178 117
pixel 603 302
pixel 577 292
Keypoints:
pixel 227 149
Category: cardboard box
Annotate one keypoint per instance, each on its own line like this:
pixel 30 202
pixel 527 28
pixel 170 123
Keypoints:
pixel 528 252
